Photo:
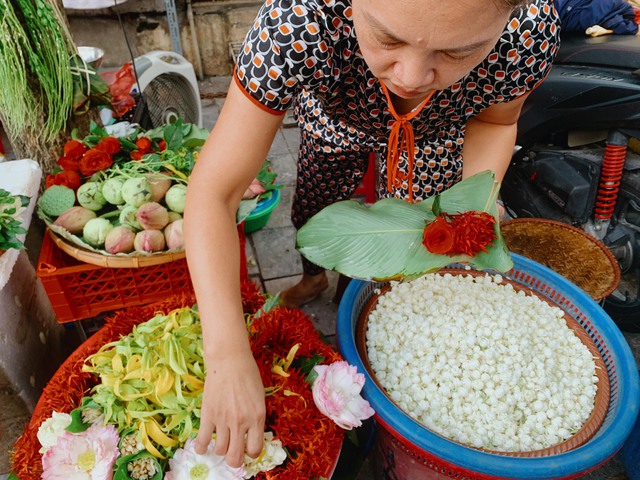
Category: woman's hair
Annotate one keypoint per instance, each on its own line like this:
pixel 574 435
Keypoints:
pixel 512 4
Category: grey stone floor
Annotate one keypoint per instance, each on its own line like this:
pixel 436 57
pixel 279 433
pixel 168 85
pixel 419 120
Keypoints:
pixel 274 264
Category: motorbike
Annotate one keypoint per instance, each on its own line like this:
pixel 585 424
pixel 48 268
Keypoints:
pixel 576 157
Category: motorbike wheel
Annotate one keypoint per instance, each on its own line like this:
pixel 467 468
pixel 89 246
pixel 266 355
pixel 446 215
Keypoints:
pixel 622 306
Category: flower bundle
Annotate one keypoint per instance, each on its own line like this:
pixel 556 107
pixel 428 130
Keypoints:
pixel 123 195
pixel 143 409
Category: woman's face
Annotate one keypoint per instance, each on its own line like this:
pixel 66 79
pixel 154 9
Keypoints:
pixel 415 46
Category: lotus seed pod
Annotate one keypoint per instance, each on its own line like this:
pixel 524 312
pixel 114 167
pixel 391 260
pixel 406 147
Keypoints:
pixel 152 216
pixel 90 196
pixel 136 191
pixel 173 216
pixel 174 235
pixel 96 230
pixel 149 241
pixel 112 190
pixel 119 240
pixel 57 199
pixel 128 217
pixel 175 198
pixel 159 184
pixel 74 219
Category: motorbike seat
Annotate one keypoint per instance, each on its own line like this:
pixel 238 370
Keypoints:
pixel 616 51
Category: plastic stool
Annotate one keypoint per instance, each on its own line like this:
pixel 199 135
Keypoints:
pixel 368 187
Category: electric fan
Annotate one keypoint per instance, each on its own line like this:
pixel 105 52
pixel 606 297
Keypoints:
pixel 169 90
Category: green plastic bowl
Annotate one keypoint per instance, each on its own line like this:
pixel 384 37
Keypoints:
pixel 260 215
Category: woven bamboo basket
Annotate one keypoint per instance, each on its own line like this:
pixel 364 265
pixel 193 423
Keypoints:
pixel 113 261
pixel 601 403
pixel 569 251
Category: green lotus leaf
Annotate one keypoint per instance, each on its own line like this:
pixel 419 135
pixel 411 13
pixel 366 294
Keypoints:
pixel 384 241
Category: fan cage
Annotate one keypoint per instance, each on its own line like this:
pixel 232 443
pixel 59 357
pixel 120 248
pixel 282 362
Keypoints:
pixel 170 96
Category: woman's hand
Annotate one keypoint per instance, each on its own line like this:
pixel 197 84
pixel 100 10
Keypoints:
pixel 233 406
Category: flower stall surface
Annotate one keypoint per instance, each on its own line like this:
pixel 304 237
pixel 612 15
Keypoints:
pixel 126 405
pixel 123 196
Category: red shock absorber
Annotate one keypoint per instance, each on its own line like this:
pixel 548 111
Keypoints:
pixel 614 156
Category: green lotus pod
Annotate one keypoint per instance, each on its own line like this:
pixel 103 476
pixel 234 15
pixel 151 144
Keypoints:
pixel 56 200
pixel 90 196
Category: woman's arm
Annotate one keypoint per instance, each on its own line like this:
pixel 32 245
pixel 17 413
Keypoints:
pixel 490 137
pixel 233 402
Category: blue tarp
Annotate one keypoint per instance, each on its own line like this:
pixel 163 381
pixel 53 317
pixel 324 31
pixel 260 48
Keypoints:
pixel 578 15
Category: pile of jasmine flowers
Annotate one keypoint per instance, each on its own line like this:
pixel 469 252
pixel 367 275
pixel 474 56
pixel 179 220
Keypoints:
pixel 480 363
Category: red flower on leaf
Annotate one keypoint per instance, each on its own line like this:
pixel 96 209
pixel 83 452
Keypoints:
pixel 465 233
pixel 67 163
pixel 74 149
pixel 66 178
pixel 162 145
pixel 137 155
pixel 95 160
pixel 111 145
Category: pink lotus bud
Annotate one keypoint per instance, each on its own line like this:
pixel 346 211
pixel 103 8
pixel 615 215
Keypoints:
pixel 74 219
pixel 336 393
pixel 173 235
pixel 254 189
pixel 119 240
pixel 152 216
pixel 159 184
pixel 149 241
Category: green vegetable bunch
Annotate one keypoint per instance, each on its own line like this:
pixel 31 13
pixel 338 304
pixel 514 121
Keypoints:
pixel 10 227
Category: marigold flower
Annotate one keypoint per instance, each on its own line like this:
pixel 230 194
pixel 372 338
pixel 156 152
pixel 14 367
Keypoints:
pixel 438 237
pixel 95 160
pixel 74 149
pixel 111 145
pixel 88 455
pixel 336 393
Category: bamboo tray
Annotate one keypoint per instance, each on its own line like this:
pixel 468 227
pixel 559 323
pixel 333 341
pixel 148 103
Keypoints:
pixel 113 261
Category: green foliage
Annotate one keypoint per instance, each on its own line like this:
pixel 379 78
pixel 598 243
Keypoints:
pixel 10 227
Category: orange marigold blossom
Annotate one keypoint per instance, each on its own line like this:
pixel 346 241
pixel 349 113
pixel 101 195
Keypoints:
pixel 137 155
pixel 95 160
pixel 74 149
pixel 472 232
pixel 111 145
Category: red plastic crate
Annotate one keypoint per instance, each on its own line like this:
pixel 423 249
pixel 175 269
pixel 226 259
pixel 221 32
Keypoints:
pixel 79 290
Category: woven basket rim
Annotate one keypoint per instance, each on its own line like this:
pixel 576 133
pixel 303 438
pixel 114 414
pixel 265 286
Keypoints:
pixel 601 402
pixel 113 261
pixel 602 247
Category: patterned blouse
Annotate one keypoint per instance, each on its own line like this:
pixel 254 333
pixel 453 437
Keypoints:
pixel 307 51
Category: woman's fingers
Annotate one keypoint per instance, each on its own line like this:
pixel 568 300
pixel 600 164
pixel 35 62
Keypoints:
pixel 255 442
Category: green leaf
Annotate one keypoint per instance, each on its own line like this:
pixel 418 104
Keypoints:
pixel 245 208
pixel 384 241
pixel 173 135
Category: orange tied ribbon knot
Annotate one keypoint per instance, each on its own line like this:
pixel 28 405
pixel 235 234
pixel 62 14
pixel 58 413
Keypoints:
pixel 402 139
